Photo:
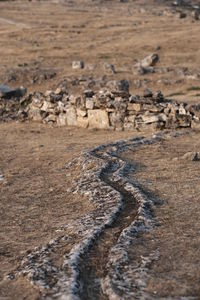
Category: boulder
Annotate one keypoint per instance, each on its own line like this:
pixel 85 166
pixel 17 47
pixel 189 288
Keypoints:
pixel 98 118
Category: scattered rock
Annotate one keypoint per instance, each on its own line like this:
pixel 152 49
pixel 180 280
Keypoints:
pixel 192 156
pixel 140 70
pixel 78 64
pixel 150 60
pixel 148 93
pixel 7 93
pixel 182 15
pixel 118 85
pixel 109 68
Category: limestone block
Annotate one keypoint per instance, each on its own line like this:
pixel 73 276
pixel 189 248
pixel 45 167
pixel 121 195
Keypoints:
pixel 35 114
pixel 129 126
pixel 147 119
pixel 47 105
pixel 71 116
pixel 98 118
pixel 117 120
pixel 89 104
pixel 62 119
pixel 82 122
pixel 50 118
pixel 131 119
pixel 134 106
pixel 162 117
pixel 77 64
pixel 81 113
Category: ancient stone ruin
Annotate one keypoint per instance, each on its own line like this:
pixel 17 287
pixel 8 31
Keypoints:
pixel 110 108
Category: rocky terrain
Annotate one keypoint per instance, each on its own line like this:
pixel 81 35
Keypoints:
pixel 99 164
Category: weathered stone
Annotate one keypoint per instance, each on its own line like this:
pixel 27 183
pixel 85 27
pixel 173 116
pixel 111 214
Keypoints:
pixel 35 114
pixel 78 64
pixel 50 118
pixel 98 118
pixel 193 156
pixel 120 106
pixel 7 92
pixel 140 70
pixel 82 122
pixel 88 93
pixel 89 104
pixel 36 102
pixel 150 60
pixel 81 113
pixel 182 15
pixel 182 110
pixel 71 116
pixel 134 106
pixel 62 119
pixel 47 106
pixel 131 119
pixel 109 68
pixel 152 108
pixel 184 120
pixel 148 93
pixel 117 120
pixel 118 85
pixel 150 119
pixel 162 117
pixel 129 126
pixel 195 125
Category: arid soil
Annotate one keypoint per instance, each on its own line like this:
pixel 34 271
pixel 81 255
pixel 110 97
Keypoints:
pixel 38 42
pixel 36 205
pixel 169 175
pixel 40 39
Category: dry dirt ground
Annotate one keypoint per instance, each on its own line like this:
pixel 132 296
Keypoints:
pixel 35 202
pixel 167 174
pixel 40 39
pixel 38 42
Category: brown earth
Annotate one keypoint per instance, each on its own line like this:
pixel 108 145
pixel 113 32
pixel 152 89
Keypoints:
pixel 166 173
pixel 35 202
pixel 39 40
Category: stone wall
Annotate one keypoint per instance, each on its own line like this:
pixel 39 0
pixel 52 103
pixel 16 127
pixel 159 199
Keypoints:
pixel 110 109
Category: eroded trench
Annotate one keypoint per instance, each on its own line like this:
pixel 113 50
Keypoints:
pixel 94 264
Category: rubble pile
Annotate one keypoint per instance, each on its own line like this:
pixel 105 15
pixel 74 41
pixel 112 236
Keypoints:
pixel 110 108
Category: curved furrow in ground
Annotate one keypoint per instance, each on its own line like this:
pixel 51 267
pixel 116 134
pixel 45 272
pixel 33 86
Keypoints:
pixel 105 234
